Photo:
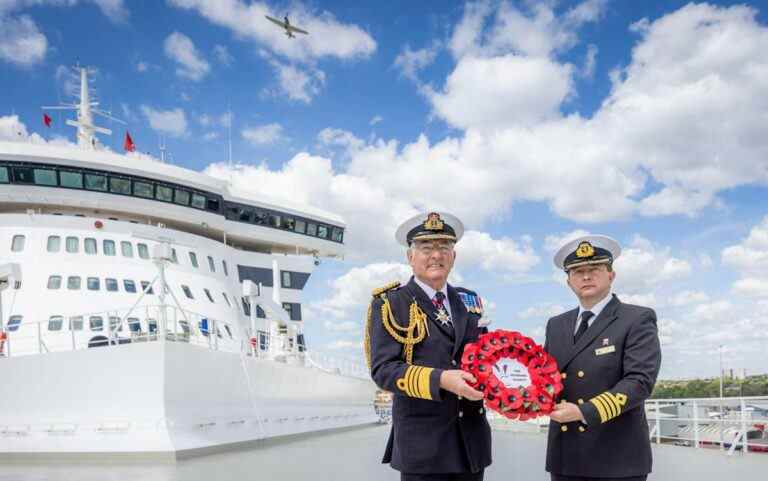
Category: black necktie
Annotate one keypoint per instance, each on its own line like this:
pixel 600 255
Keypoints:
pixel 583 325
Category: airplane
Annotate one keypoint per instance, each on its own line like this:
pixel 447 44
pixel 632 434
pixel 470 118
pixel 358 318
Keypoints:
pixel 289 29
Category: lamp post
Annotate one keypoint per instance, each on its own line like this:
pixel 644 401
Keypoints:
pixel 721 369
pixel 722 444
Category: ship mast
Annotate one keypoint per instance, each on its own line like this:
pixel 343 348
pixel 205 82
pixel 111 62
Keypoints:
pixel 86 129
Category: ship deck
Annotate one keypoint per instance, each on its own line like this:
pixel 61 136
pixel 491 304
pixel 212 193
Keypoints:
pixel 356 453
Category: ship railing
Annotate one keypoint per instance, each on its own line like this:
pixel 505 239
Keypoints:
pixel 118 327
pixel 148 323
pixel 731 424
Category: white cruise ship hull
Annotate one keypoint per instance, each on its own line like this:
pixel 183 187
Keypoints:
pixel 167 398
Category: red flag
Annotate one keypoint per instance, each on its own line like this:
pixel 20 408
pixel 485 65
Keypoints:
pixel 47 120
pixel 128 145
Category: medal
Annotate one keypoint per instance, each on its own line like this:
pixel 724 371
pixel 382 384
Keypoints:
pixel 443 317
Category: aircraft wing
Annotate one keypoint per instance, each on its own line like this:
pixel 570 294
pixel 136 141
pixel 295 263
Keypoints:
pixel 297 30
pixel 274 20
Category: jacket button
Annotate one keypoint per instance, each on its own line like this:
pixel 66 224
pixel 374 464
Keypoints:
pixel 453 361
pixel 564 375
pixel 581 401
pixel 563 428
pixel 581 429
pixel 580 373
pixel 461 414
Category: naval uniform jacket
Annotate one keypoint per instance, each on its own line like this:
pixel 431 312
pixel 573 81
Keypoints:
pixel 433 431
pixel 609 373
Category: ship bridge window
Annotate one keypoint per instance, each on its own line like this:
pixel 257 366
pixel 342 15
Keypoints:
pixel 246 307
pixel 152 325
pixel 274 220
pixel 300 226
pixel 288 223
pixel 260 313
pixel 181 197
pixel 337 235
pixel 91 246
pixel 145 287
pixel 73 180
pixel 96 323
pixel 129 285
pixel 193 259
pixel 14 322
pixel 55 323
pixel 164 193
pixel 54 282
pixel 286 279
pixel 23 175
pixel 229 331
pixel 46 177
pixel 187 292
pixel 76 323
pixel 198 201
pixel 208 294
pixel 322 232
pixel 184 327
pixel 143 251
pixel 224 294
pixel 119 185
pixel 17 244
pixel 311 229
pixel 93 283
pixel 212 205
pixel 4 175
pixel 134 325
pixel 110 284
pixel 54 243
pixel 143 189
pixel 211 264
pixel 73 245
pixel 115 324
pixel 174 256
pixel 261 218
pixel 109 247
pixel 96 182
pixel 73 283
pixel 126 248
pixel 224 265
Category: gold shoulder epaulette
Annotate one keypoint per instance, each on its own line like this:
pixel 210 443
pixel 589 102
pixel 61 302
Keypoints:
pixel 390 286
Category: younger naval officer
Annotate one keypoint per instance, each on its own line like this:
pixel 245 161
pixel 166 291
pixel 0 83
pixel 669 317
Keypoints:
pixel 414 338
pixel 609 356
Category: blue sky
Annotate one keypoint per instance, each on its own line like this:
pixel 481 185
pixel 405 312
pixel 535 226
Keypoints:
pixel 532 121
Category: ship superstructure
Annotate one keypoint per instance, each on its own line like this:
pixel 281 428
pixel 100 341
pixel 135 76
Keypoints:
pixel 149 308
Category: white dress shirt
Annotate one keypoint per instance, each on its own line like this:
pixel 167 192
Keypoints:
pixel 431 294
pixel 596 310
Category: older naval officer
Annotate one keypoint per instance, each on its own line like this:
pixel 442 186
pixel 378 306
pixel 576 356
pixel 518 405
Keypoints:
pixel 415 335
pixel 609 356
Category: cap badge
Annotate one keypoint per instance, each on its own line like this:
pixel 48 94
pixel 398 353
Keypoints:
pixel 585 249
pixel 433 222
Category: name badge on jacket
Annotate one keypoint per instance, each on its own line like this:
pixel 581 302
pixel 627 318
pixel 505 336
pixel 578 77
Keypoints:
pixel 605 350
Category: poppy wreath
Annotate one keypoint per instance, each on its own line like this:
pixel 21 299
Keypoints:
pixel 521 403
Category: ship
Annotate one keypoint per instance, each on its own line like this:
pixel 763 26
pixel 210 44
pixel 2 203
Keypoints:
pixel 148 309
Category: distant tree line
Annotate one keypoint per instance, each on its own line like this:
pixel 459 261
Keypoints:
pixel 703 388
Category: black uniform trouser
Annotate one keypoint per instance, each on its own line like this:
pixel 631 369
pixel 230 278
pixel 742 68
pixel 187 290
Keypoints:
pixel 557 477
pixel 442 477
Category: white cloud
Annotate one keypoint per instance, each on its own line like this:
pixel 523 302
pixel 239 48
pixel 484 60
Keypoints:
pixel 114 9
pixel 646 299
pixel 552 243
pixel 643 265
pixel 263 134
pixel 348 326
pixel 298 84
pixel 410 62
pixel 12 129
pixel 171 122
pixel 327 36
pixel 21 42
pixel 208 136
pixel 590 60
pixel 344 344
pixel 541 311
pixel 339 137
pixel 375 120
pixel 142 66
pixel 223 55
pixel 191 63
pixel 686 298
pixel 750 259
pixel 504 255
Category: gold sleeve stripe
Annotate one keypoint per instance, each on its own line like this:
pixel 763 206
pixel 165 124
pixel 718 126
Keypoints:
pixel 613 409
pixel 415 382
pixel 600 409
pixel 616 402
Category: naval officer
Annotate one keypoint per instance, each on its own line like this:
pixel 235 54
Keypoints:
pixel 415 336
pixel 609 356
